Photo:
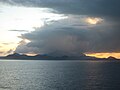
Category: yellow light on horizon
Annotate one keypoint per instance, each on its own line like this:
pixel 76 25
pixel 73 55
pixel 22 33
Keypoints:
pixel 104 55
pixel 31 54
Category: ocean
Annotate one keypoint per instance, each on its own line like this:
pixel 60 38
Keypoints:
pixel 59 75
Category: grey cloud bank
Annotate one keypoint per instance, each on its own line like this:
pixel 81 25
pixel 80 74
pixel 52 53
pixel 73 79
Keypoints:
pixel 58 40
pixel 74 36
pixel 84 7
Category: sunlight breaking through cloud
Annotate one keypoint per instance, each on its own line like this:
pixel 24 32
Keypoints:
pixel 17 20
pixel 93 20
pixel 26 18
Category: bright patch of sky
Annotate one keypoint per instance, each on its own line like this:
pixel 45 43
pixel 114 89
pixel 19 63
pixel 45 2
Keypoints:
pixel 22 19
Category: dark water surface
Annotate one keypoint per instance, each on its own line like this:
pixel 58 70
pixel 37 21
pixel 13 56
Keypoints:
pixel 59 75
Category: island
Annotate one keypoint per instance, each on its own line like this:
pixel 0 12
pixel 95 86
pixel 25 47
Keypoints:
pixel 18 56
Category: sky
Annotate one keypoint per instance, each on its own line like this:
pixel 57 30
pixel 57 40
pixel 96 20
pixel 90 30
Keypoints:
pixel 60 27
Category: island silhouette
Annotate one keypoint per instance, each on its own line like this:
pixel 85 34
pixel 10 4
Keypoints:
pixel 18 56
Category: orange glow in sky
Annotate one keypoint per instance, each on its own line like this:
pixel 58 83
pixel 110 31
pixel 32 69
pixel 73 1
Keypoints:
pixel 104 55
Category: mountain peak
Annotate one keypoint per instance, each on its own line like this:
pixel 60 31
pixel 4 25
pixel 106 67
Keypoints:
pixel 111 58
pixel 48 57
pixel 14 54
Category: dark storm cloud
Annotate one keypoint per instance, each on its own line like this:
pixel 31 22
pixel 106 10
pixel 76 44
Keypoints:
pixel 86 7
pixel 58 42
pixel 77 37
pixel 71 40
pixel 82 7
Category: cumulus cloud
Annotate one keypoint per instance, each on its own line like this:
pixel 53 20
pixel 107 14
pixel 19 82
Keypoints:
pixel 73 35
pixel 65 38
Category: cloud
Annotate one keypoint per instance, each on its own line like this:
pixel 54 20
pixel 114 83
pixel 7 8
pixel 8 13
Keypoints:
pixel 19 30
pixel 6 53
pixel 1 52
pixel 108 10
pixel 10 51
pixel 62 38
pixel 23 48
pixel 73 35
pixel 93 8
pixel 7 43
pixel 81 7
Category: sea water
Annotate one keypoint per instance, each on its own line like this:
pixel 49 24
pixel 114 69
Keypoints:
pixel 59 75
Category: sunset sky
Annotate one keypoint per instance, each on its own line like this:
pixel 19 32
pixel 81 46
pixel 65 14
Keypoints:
pixel 60 27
